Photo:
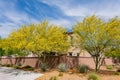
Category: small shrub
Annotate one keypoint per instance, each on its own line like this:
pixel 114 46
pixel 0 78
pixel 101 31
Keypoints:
pixel 117 73
pixel 54 78
pixel 82 68
pixel 0 62
pixel 16 67
pixel 60 74
pixel 8 65
pixel 62 67
pixel 109 67
pixel 3 65
pixel 44 67
pixel 27 67
pixel 19 64
pixel 93 76
pixel 118 70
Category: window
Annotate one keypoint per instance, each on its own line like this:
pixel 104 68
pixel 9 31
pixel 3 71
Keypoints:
pixel 70 53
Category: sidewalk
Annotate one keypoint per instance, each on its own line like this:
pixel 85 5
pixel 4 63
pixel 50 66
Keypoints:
pixel 15 74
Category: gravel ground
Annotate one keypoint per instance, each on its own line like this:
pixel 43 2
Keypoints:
pixel 75 76
pixel 14 74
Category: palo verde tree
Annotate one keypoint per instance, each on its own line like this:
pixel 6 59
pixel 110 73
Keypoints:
pixel 40 39
pixel 47 39
pixel 97 35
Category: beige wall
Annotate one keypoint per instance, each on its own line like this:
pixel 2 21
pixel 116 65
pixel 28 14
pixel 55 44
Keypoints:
pixel 75 47
pixel 53 61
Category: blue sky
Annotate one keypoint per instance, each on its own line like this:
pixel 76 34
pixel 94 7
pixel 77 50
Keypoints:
pixel 14 13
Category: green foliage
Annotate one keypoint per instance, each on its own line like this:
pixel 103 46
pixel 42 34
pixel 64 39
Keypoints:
pixel 54 78
pixel 82 68
pixel 9 52
pixel 93 76
pixel 62 67
pixel 110 67
pixel 1 52
pixel 44 66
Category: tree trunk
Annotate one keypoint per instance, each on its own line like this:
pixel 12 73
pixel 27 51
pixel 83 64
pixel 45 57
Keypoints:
pixel 96 64
pixel 11 63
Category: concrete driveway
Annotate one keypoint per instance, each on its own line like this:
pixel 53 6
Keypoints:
pixel 15 74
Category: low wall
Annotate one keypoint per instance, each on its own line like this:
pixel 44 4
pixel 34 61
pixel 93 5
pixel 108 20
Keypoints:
pixel 73 61
pixel 53 61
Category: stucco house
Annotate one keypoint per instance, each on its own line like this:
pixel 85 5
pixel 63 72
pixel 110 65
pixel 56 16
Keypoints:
pixel 75 49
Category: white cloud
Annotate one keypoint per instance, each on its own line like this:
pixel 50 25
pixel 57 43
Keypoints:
pixel 77 11
pixel 6 29
pixel 104 8
pixel 109 11
pixel 62 22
